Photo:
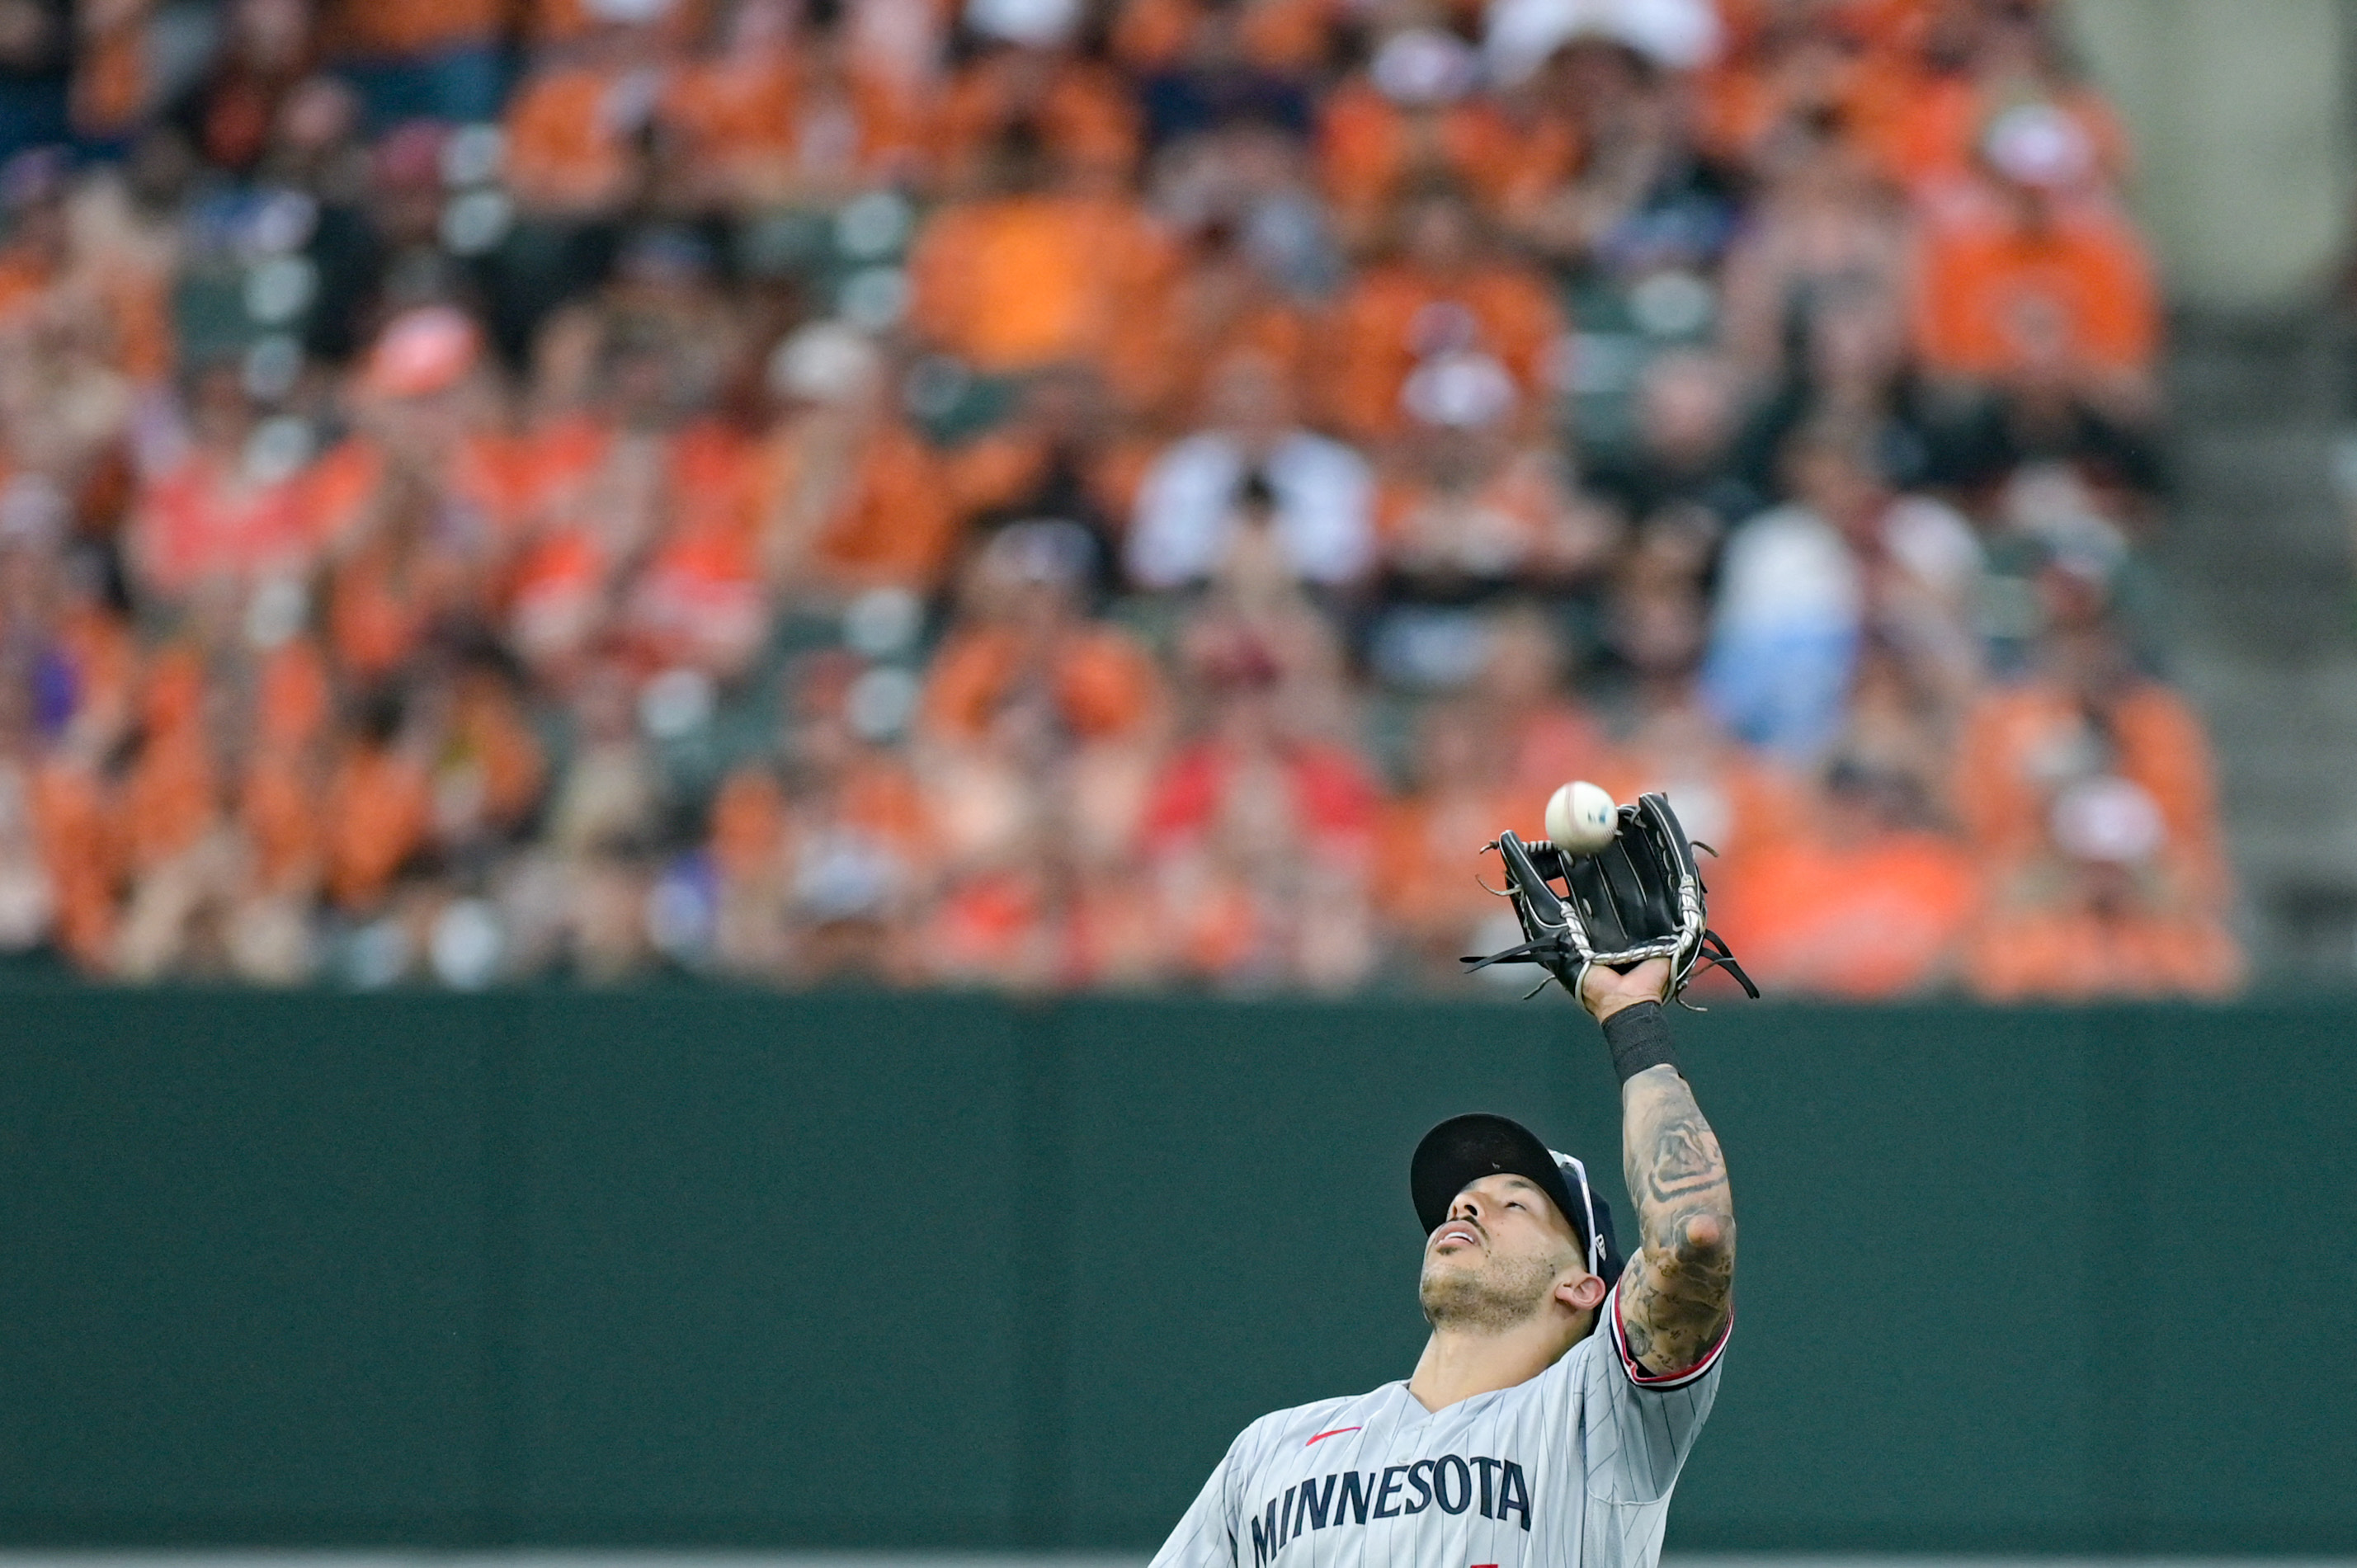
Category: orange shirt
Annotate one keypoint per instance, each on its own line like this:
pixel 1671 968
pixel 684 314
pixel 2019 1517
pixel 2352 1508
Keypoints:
pixel 25 280
pixel 104 660
pixel 1007 466
pixel 395 30
pixel 568 148
pixel 2017 739
pixel 294 695
pixel 1867 918
pixel 750 822
pixel 280 812
pixel 890 523
pixel 2077 955
pixel 111 79
pixel 1368 147
pixel 1020 283
pixel 1987 295
pixel 379 808
pixel 555 465
pixel 1104 683
pixel 732 107
pixel 1395 315
pixel 81 843
pixel 1429 849
pixel 755 122
pixel 1162 360
pixel 1504 524
pixel 485 474
pixel 172 799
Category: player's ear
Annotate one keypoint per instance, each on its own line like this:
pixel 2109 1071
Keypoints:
pixel 1580 1294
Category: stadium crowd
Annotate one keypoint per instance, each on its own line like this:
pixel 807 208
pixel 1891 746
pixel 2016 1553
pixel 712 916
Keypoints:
pixel 1060 493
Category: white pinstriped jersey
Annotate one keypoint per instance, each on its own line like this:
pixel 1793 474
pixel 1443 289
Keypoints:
pixel 1572 1469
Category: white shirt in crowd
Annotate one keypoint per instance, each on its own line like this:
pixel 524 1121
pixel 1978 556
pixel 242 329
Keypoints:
pixel 1325 496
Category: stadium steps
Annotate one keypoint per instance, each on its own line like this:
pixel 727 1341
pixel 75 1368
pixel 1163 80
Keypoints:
pixel 2256 579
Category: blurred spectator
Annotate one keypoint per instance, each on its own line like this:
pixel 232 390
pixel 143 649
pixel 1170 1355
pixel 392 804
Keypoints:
pixel 1732 798
pixel 1261 831
pixel 1431 881
pixel 573 128
pixel 1447 298
pixel 1683 456
pixel 1801 583
pixel 2090 796
pixel 776 117
pixel 819 850
pixel 1824 235
pixel 1411 117
pixel 1029 92
pixel 222 503
pixel 1318 493
pixel 1038 731
pixel 2018 270
pixel 1055 455
pixel 850 498
pixel 1539 734
pixel 1031 273
pixel 1470 509
pixel 1644 203
pixel 1223 303
pixel 604 823
pixel 268 53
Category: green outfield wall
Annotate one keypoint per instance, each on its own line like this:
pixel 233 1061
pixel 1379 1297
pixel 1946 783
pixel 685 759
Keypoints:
pixel 698 1268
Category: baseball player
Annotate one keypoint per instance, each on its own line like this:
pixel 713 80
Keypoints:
pixel 1549 1414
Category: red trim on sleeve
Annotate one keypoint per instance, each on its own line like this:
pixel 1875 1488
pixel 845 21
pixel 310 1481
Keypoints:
pixel 1644 1380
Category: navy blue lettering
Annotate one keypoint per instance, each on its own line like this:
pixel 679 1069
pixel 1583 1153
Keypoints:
pixel 1488 1467
pixel 1513 1494
pixel 1314 1504
pixel 1419 1480
pixel 1264 1546
pixel 1396 1492
pixel 1442 1468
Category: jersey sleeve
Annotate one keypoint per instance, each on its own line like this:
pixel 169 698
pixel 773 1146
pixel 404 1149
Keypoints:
pixel 1641 1426
pixel 1206 1536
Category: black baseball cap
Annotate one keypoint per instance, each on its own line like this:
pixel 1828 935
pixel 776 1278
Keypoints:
pixel 1464 1149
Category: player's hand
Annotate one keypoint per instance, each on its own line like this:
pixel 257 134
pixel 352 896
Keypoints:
pixel 1604 992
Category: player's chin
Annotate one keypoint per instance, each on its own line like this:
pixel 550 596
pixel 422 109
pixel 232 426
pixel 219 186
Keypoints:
pixel 1452 1259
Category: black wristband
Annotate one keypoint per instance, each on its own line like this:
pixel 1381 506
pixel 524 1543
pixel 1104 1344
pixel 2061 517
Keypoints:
pixel 1638 1037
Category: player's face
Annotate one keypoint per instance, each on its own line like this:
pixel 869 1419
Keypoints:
pixel 1499 1256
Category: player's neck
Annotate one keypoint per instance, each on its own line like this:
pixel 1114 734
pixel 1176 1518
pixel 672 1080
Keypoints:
pixel 1456 1363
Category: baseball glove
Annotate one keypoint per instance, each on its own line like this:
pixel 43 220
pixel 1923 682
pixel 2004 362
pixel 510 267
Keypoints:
pixel 1639 897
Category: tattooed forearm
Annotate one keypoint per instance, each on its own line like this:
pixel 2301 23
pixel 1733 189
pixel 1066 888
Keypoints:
pixel 1675 1295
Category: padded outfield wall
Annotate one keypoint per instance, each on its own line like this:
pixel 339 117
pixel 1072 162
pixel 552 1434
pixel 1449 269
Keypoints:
pixel 706 1268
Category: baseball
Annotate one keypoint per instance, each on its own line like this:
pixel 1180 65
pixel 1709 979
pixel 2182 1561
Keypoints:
pixel 1581 819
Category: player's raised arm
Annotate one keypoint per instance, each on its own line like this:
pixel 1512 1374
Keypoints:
pixel 1676 1292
